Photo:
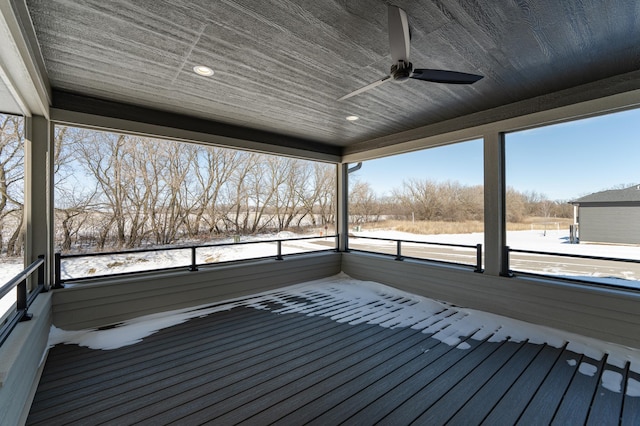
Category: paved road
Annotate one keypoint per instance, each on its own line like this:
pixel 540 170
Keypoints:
pixel 540 264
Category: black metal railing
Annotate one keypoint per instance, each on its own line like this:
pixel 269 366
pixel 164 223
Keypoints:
pixel 24 298
pixel 193 264
pixel 508 272
pixel 423 254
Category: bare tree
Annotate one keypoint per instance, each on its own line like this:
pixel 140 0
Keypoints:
pixel 516 205
pixel 364 206
pixel 104 158
pixel 212 172
pixel 418 198
pixel 153 191
pixel 324 194
pixel 11 182
pixel 72 214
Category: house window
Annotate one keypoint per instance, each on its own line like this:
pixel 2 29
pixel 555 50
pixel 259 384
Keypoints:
pixel 573 190
pixel 151 200
pixel 430 196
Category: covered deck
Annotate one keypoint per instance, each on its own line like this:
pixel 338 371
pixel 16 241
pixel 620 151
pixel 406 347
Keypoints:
pixel 331 352
pixel 278 79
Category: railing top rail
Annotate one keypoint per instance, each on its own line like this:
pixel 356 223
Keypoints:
pixel 577 256
pixel 415 241
pixel 21 276
pixel 192 246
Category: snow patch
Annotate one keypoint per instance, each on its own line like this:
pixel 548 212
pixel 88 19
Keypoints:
pixel 633 387
pixel 463 346
pixel 612 380
pixel 128 332
pixel 572 362
pixel 587 369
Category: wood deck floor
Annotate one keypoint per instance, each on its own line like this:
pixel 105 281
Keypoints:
pixel 256 367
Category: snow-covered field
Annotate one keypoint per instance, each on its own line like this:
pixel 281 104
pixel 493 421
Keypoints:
pixel 250 247
pixel 8 269
pixel 625 275
pixel 387 307
pixel 550 241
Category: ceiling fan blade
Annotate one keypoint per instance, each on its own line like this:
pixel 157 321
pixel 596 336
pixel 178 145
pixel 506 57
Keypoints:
pixel 365 88
pixel 399 36
pixel 443 76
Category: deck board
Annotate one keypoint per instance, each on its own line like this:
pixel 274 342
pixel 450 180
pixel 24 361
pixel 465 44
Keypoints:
pixel 254 366
pixel 548 396
pixel 631 404
pixel 492 391
pixel 425 397
pixel 574 407
pixel 607 404
pixel 512 404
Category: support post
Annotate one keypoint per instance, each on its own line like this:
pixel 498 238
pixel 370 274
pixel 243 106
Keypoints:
pixel 279 256
pixel 343 206
pixel 38 194
pixel 494 203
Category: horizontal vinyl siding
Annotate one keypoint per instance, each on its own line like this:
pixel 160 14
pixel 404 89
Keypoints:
pixel 107 301
pixel 610 224
pixel 20 358
pixel 609 315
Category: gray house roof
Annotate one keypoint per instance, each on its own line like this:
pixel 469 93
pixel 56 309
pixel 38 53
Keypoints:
pixel 631 194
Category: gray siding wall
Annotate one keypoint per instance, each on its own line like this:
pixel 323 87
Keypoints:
pixel 108 301
pixel 20 366
pixel 609 315
pixel 610 224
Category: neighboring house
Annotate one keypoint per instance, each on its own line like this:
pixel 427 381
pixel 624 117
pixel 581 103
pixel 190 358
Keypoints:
pixel 611 216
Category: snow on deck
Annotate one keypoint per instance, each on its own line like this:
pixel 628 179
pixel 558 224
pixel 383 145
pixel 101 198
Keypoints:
pixel 346 300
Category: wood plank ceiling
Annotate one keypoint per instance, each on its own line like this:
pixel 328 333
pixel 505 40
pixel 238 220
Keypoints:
pixel 280 65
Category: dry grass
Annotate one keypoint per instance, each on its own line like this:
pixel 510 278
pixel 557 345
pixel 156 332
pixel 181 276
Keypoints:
pixel 467 227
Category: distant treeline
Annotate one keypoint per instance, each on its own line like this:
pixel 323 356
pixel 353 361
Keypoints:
pixel 447 201
pixel 121 191
pixel 137 191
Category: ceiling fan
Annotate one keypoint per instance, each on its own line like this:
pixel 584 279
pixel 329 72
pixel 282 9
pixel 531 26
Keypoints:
pixel 402 69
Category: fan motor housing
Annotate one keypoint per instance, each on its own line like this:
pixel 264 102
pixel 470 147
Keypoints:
pixel 401 71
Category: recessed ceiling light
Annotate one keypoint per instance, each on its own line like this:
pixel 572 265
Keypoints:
pixel 202 70
pixel 352 117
